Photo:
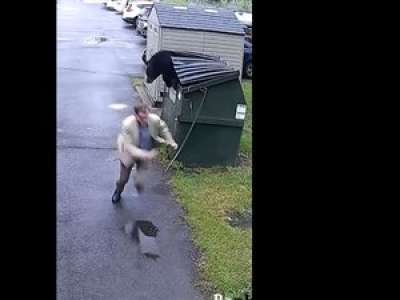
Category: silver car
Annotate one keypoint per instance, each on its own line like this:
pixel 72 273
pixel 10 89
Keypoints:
pixel 141 26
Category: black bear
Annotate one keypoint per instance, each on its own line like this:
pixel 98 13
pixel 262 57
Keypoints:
pixel 161 64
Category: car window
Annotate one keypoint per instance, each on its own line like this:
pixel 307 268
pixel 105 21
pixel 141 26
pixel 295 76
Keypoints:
pixel 143 5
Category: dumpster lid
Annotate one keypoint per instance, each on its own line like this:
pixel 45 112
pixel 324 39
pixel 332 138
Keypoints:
pixel 199 69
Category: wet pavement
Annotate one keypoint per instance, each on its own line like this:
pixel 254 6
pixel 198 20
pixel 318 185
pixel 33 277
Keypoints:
pixel 96 259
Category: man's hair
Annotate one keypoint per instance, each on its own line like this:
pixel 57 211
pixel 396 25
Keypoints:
pixel 141 108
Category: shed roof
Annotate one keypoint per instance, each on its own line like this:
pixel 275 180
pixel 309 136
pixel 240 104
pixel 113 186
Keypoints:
pixel 196 18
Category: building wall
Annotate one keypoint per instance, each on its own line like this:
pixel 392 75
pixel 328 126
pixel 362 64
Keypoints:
pixel 182 40
pixel 227 46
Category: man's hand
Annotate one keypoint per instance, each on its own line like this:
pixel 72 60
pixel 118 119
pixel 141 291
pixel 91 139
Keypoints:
pixel 151 154
pixel 161 140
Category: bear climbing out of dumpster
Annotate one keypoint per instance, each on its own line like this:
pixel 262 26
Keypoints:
pixel 161 64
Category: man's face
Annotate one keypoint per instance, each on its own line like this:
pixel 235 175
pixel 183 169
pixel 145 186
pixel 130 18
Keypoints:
pixel 143 116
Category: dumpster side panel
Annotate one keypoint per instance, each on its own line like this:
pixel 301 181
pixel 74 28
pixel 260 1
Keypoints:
pixel 220 103
pixel 170 108
pixel 215 138
pixel 209 145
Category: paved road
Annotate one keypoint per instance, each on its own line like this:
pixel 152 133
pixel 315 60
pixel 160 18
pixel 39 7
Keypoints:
pixel 95 258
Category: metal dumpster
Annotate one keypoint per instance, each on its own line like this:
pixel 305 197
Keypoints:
pixel 205 111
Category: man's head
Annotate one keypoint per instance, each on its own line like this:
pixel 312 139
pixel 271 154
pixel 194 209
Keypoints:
pixel 142 113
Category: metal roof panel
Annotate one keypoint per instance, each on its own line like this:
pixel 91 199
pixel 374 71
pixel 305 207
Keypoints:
pixel 192 68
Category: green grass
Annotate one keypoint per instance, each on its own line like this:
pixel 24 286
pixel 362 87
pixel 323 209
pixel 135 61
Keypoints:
pixel 208 196
pixel 246 141
pixel 136 81
pixel 176 2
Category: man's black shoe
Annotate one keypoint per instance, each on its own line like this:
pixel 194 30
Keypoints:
pixel 116 197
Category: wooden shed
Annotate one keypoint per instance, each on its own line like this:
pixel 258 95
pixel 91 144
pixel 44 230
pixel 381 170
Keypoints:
pixel 207 31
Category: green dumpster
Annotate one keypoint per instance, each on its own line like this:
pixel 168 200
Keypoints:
pixel 205 111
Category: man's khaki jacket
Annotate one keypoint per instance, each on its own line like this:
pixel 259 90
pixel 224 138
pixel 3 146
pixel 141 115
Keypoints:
pixel 128 139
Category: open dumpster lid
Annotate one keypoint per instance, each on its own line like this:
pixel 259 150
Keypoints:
pixel 198 69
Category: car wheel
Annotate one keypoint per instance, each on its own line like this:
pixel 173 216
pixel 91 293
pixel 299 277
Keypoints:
pixel 135 22
pixel 248 70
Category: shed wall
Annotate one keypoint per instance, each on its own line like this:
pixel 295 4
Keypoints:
pixel 152 47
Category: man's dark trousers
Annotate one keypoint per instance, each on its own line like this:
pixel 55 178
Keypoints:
pixel 125 173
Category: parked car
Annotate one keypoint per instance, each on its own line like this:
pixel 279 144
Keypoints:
pixel 248 59
pixel 248 33
pixel 134 9
pixel 141 26
pixel 111 4
pixel 120 6
pixel 246 18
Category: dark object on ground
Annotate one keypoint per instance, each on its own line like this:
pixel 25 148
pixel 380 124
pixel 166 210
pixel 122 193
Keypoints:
pixel 146 233
pixel 147 227
pixel 241 220
pixel 116 197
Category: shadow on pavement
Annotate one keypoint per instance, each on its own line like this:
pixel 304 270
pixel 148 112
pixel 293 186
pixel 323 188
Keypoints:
pixel 144 232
